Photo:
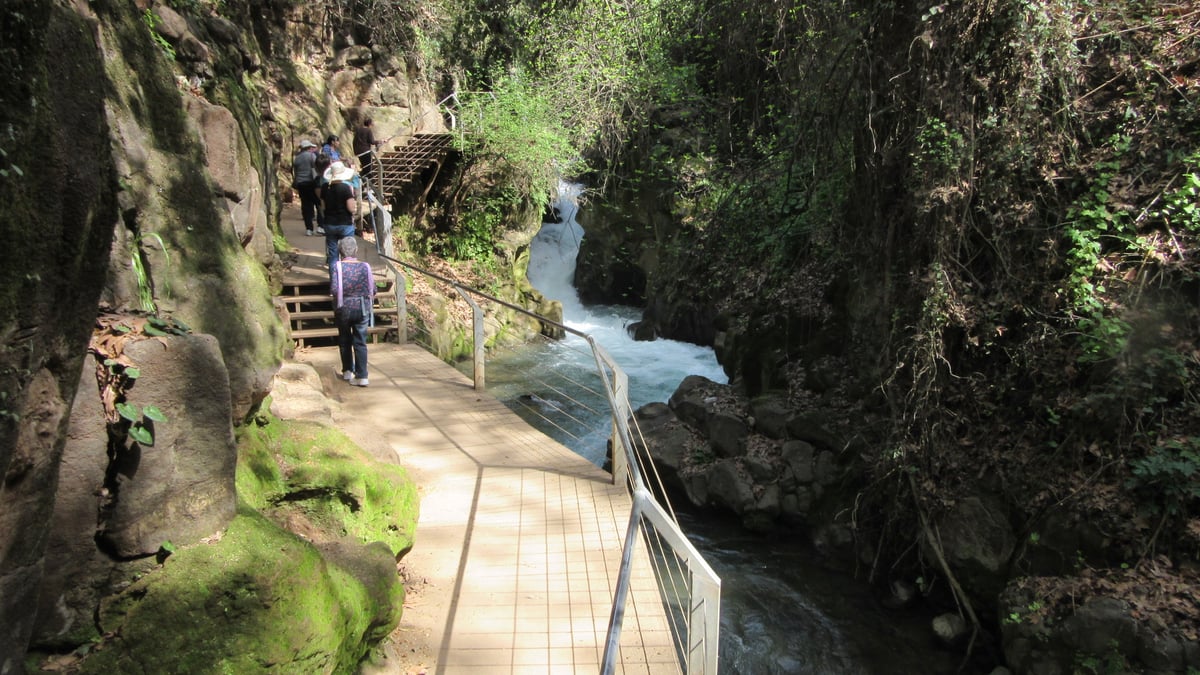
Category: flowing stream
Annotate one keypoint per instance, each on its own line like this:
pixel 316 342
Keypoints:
pixel 782 610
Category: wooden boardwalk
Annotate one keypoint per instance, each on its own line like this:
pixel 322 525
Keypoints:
pixel 519 540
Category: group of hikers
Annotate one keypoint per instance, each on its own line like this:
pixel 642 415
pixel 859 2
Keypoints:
pixel 314 169
pixel 330 188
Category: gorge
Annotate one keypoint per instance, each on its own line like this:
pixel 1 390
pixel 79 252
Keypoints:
pixel 945 255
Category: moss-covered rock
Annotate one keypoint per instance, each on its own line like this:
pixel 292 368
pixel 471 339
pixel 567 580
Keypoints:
pixel 316 480
pixel 260 599
pixel 303 580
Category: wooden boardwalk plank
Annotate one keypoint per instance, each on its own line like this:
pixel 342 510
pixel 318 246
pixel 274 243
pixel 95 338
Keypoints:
pixel 519 540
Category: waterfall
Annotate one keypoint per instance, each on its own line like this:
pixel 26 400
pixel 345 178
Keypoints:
pixel 655 368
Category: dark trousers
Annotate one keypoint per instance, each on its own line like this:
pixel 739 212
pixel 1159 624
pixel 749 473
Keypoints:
pixel 352 344
pixel 308 204
pixel 334 234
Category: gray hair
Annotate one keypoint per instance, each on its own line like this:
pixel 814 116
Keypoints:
pixel 347 247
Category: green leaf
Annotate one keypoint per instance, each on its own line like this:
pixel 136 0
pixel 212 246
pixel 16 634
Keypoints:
pixel 168 546
pixel 149 329
pixel 129 411
pixel 132 372
pixel 110 362
pixel 141 434
pixel 153 412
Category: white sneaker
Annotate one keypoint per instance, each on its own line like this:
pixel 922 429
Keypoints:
pixel 359 382
pixel 308 233
pixel 348 375
pixel 320 230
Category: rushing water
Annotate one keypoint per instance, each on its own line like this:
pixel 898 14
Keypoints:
pixel 782 610
pixel 655 368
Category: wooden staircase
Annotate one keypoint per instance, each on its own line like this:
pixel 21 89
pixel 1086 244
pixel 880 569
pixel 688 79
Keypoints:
pixel 408 162
pixel 310 314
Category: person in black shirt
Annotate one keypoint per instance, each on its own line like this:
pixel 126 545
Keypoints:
pixel 340 205
pixel 304 180
pixel 364 142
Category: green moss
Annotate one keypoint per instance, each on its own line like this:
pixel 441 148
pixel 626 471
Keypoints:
pixel 304 468
pixel 262 599
pixel 259 600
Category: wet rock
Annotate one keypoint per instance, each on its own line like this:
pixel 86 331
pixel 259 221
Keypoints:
pixel 696 485
pixel 977 541
pixel 727 434
pixel 762 516
pixel 770 413
pixel 729 487
pixel 825 471
pixel 761 470
pixel 667 440
pixel 642 331
pixel 812 428
pixel 1161 653
pixel 834 539
pixel 798 455
pixel 1101 625
pixel 690 400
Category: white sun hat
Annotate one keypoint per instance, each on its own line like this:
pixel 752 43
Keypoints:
pixel 338 172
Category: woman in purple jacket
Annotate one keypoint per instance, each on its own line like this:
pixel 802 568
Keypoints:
pixel 353 289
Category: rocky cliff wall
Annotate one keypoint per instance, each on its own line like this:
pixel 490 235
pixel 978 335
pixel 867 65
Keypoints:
pixel 140 170
pixel 57 186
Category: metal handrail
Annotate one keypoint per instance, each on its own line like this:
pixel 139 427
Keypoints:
pixel 700 656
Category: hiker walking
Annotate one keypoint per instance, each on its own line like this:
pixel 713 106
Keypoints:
pixel 364 143
pixel 304 180
pixel 340 206
pixel 331 148
pixel 353 289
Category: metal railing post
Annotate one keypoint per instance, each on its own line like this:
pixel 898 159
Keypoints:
pixel 401 307
pixel 704 610
pixel 620 411
pixel 478 339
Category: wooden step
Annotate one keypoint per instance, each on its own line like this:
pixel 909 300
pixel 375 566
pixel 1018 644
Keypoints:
pixel 383 297
pixel 332 331
pixel 328 313
pixel 307 298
